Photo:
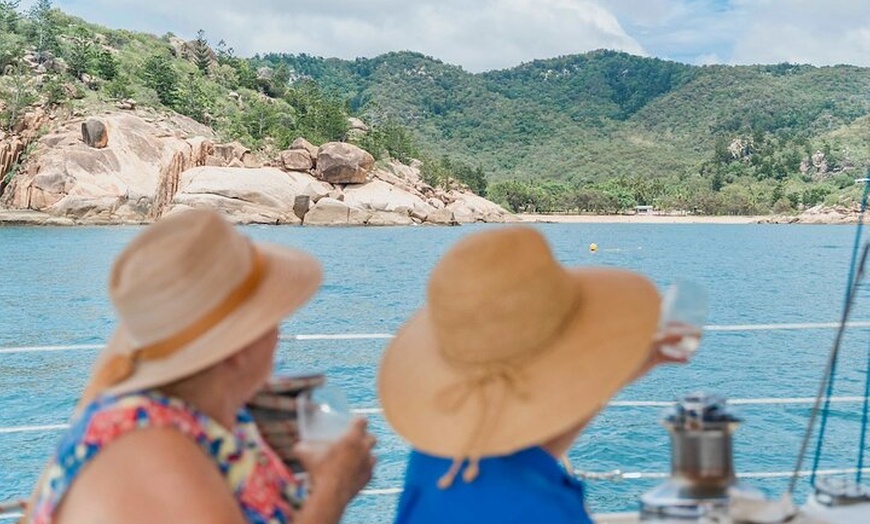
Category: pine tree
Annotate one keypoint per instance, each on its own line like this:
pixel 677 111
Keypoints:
pixel 18 94
pixel 9 15
pixel 201 52
pixel 44 26
pixel 11 43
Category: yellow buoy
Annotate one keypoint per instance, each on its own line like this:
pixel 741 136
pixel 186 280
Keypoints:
pixel 593 247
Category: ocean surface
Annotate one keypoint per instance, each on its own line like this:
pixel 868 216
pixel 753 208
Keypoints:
pixel 53 293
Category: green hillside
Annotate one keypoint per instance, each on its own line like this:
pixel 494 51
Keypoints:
pixel 605 130
pixel 600 132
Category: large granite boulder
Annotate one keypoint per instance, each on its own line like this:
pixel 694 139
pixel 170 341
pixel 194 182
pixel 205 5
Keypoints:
pixel 378 195
pixel 332 212
pixel 305 145
pixel 468 207
pixel 316 190
pixel 132 179
pixel 441 217
pixel 296 160
pixel 260 196
pixel 341 163
pixel 94 133
pixel 384 218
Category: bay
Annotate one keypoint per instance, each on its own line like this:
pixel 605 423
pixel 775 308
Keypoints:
pixel 53 293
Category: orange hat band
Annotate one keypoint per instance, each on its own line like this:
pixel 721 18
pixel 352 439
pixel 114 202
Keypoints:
pixel 121 366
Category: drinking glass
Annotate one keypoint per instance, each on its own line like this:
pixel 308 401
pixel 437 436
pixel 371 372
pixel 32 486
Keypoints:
pixel 324 416
pixel 685 306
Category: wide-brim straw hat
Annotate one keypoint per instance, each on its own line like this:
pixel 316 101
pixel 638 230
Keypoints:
pixel 512 349
pixel 190 291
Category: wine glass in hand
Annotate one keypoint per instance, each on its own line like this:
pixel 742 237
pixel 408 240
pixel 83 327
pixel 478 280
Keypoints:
pixel 323 416
pixel 684 310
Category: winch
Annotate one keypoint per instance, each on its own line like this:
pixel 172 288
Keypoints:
pixel 702 470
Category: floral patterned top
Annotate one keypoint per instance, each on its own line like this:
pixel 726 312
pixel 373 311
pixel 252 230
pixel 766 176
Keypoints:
pixel 265 490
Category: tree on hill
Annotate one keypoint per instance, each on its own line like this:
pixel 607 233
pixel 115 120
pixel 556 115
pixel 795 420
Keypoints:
pixel 17 93
pixel 44 27
pixel 80 53
pixel 9 15
pixel 106 65
pixel 11 43
pixel 202 53
pixel 160 75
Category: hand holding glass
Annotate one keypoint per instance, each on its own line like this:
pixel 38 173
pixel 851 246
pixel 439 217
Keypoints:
pixel 684 311
pixel 324 416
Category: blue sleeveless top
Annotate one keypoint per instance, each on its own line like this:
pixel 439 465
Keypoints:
pixel 528 486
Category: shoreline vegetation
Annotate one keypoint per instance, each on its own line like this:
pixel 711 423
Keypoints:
pixel 37 218
pixel 640 219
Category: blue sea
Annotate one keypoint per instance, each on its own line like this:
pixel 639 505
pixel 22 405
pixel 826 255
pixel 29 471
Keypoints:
pixel 53 293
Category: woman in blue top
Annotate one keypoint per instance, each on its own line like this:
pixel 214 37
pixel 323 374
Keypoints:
pixel 494 378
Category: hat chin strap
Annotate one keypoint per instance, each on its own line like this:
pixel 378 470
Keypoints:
pixel 503 378
pixel 121 366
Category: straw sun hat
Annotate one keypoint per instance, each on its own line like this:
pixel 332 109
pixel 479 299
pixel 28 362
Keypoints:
pixel 190 291
pixel 512 348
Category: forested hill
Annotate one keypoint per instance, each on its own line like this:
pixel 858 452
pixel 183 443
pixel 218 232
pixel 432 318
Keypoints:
pixel 603 131
pixel 606 130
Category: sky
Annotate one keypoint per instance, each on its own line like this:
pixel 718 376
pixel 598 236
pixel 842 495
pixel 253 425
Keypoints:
pixel 482 35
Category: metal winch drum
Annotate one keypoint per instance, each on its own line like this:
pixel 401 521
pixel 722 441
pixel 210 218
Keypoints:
pixel 702 470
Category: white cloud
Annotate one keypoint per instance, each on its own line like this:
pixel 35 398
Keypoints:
pixel 479 35
pixel 804 31
pixel 489 34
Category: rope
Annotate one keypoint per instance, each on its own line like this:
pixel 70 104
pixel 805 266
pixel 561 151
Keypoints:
pixel 864 411
pixel 386 336
pixel 771 401
pixel 826 387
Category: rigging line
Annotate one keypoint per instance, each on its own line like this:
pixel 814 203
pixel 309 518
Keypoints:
pixel 831 366
pixel 864 416
pixel 835 353
pixel 826 387
pixel 783 401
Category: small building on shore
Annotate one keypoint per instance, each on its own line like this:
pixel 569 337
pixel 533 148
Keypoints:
pixel 644 210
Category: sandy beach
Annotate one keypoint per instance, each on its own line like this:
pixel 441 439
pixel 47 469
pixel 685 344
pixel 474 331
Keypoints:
pixel 639 219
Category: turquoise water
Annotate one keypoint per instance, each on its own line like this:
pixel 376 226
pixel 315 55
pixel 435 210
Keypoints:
pixel 53 292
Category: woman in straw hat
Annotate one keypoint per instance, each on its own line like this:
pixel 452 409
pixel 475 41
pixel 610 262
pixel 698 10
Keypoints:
pixel 162 435
pixel 496 376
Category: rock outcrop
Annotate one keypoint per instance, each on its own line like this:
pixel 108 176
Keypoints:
pixel 818 215
pixel 133 167
pixel 341 163
pixel 259 196
pixel 126 181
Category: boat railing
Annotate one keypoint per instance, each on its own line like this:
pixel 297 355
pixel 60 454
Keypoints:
pixel 12 510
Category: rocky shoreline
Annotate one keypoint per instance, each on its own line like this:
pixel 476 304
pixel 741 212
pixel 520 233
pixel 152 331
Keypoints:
pixel 132 167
